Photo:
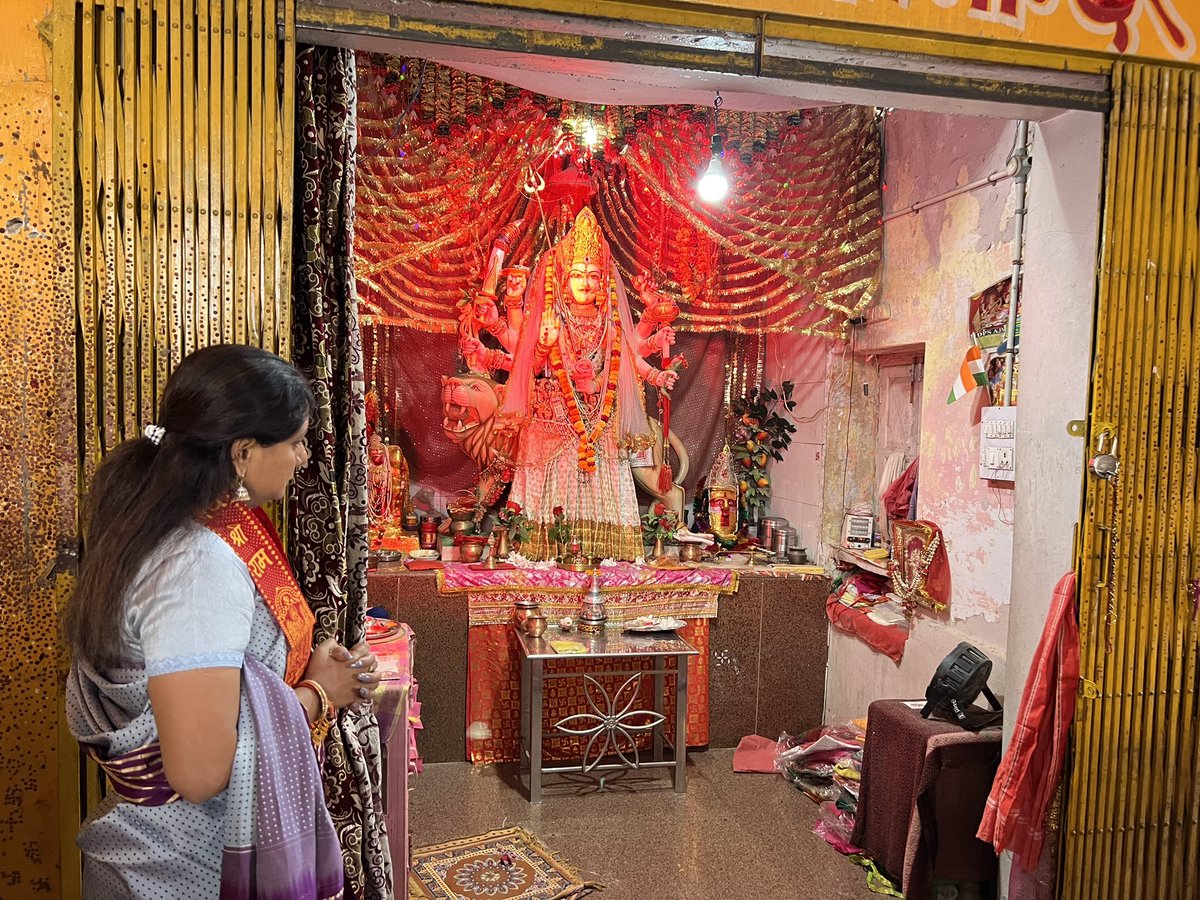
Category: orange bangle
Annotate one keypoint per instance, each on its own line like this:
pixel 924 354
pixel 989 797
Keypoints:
pixel 324 721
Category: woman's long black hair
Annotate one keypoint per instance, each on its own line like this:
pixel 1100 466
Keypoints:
pixel 142 492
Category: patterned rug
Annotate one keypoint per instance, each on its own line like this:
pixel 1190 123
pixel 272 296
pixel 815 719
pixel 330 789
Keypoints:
pixel 509 864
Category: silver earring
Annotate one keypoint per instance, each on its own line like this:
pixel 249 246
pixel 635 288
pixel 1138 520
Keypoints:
pixel 241 495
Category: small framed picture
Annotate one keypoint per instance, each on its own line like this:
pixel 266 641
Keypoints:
pixel 641 459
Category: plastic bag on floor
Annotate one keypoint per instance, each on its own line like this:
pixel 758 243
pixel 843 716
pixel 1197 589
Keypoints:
pixel 835 826
pixel 827 744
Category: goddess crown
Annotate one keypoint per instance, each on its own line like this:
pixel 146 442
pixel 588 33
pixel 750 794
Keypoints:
pixel 587 242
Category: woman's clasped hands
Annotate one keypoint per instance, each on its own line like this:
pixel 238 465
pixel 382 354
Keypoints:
pixel 348 676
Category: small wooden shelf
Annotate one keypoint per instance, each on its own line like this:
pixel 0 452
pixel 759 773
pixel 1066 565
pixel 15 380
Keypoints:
pixel 855 558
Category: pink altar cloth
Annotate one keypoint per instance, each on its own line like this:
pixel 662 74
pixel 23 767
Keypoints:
pixel 629 590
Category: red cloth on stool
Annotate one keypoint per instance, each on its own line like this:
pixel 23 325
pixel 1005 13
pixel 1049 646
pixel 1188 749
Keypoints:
pixel 1015 815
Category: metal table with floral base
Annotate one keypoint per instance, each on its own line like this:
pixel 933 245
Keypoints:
pixel 611 721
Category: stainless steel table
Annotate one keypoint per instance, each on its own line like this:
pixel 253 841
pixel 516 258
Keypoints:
pixel 610 720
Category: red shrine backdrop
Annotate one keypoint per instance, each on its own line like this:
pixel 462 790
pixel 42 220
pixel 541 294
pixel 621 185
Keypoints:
pixel 443 160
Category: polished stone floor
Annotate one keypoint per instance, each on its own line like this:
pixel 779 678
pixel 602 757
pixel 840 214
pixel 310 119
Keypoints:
pixel 730 837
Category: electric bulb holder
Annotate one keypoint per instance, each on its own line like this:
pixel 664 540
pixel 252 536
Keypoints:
pixel 718 144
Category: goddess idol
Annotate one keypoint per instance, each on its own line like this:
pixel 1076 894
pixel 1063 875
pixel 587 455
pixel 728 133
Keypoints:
pixel 576 394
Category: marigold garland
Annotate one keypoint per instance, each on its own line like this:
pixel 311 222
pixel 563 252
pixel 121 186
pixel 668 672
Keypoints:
pixel 588 436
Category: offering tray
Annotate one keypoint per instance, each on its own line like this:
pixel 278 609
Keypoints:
pixel 583 565
pixel 375 557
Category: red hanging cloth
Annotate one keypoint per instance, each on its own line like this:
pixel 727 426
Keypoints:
pixel 1015 815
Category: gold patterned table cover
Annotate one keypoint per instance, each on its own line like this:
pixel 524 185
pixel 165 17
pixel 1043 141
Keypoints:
pixel 629 590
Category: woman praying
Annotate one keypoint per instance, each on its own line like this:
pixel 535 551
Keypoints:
pixel 194 683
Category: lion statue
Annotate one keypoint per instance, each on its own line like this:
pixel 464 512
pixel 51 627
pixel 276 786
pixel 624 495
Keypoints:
pixel 469 404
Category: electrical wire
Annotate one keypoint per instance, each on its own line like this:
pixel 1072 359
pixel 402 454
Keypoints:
pixel 849 419
pixel 1000 511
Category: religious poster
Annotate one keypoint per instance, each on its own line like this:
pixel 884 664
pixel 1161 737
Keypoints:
pixel 989 331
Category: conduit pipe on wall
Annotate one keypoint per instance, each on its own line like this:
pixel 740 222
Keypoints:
pixel 1018 167
pixel 1009 171
pixel 1024 162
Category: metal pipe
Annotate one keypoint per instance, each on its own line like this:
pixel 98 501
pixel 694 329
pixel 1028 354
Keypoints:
pixel 1022 161
pixel 1009 171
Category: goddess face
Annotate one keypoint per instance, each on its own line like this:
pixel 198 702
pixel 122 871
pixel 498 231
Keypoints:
pixel 585 281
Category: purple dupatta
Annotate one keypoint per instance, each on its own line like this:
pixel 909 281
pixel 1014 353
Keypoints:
pixel 279 838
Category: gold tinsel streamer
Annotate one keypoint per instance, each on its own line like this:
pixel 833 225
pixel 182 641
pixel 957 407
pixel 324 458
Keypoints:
pixel 173 250
pixel 797 248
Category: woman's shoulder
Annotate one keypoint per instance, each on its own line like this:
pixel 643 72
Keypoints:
pixel 196 558
pixel 193 543
pixel 192 599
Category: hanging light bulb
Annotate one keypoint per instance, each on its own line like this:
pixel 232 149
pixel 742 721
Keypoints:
pixel 590 136
pixel 713 185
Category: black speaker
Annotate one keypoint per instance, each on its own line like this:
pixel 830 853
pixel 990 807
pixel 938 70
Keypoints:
pixel 960 678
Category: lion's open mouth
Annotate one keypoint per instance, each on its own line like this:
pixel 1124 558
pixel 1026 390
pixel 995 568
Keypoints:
pixel 459 419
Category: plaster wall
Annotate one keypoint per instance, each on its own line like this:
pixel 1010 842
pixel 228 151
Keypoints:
pixel 933 262
pixel 1056 349
pixel 797 483
pixel 37 485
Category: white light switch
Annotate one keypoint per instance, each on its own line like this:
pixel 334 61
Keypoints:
pixel 997 443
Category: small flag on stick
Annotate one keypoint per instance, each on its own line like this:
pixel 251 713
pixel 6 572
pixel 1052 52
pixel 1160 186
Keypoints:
pixel 970 375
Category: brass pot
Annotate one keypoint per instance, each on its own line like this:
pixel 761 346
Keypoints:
pixel 462 526
pixel 470 551
pixel 689 552
pixel 535 626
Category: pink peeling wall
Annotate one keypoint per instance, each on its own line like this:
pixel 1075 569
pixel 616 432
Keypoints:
pixel 933 262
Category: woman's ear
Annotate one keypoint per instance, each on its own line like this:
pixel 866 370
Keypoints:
pixel 239 451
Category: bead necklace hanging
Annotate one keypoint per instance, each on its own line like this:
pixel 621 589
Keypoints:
pixel 910 573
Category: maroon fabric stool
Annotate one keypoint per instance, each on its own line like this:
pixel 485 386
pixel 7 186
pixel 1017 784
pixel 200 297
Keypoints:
pixel 924 785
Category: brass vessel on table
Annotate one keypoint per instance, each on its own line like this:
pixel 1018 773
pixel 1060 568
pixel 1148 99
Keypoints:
pixel 580 564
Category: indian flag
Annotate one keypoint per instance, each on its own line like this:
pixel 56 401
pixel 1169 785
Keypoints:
pixel 970 375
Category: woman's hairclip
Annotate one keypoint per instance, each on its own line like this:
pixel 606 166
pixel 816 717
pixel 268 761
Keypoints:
pixel 154 433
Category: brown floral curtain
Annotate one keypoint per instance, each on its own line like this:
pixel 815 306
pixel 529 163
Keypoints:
pixel 328 507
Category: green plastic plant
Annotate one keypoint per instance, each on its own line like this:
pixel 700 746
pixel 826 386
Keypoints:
pixel 762 431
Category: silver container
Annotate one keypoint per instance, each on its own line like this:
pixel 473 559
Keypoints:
pixel 783 540
pixel 592 615
pixel 767 526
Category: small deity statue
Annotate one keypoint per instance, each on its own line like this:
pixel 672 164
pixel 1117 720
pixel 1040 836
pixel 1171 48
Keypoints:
pixel 380 483
pixel 722 496
pixel 401 502
pixel 575 393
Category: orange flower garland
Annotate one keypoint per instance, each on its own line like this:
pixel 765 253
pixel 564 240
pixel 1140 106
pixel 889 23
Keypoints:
pixel 589 437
